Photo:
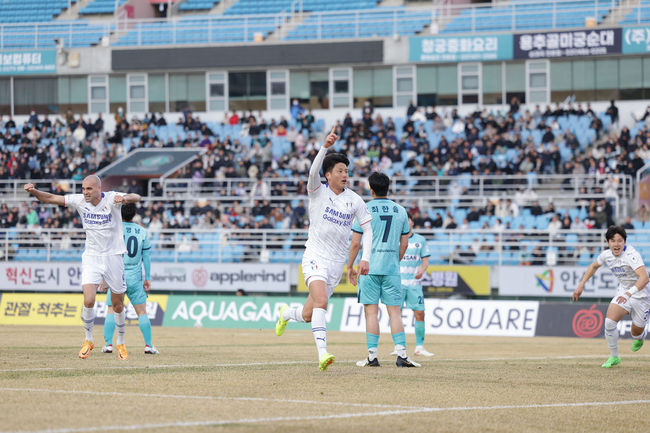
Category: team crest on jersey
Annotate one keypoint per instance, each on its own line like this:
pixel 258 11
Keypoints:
pixel 417 245
pixel 314 265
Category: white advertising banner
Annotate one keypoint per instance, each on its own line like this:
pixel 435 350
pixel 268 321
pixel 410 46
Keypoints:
pixel 455 317
pixel 223 277
pixel 554 281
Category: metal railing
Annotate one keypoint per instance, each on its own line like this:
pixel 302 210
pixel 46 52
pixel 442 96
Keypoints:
pixel 75 33
pixel 482 247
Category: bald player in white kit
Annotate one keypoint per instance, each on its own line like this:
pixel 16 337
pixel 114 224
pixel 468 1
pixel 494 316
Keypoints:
pixel 332 210
pixel 102 258
pixel 632 296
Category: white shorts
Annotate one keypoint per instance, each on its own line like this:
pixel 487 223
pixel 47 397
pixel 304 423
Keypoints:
pixel 638 308
pixel 94 269
pixel 315 268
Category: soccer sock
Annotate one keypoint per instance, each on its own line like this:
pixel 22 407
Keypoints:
pixel 319 329
pixel 611 335
pixel 145 328
pixel 120 319
pixel 88 317
pixel 372 341
pixel 294 313
pixel 399 340
pixel 419 333
pixel 109 329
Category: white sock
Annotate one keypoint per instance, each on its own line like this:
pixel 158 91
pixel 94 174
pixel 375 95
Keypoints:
pixel 611 335
pixel 372 353
pixel 120 326
pixel 294 313
pixel 319 329
pixel 401 351
pixel 88 317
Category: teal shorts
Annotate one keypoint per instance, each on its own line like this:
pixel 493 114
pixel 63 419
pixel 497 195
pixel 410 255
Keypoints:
pixel 134 291
pixel 372 288
pixel 413 298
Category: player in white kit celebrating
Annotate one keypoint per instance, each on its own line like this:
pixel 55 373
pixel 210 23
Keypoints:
pixel 102 258
pixel 632 297
pixel 332 209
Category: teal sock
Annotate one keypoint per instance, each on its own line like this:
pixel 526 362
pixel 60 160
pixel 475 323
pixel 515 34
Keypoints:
pixel 419 333
pixel 109 328
pixel 372 340
pixel 399 339
pixel 145 328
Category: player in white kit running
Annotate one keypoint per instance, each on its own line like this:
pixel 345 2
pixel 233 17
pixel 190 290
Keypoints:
pixel 332 209
pixel 102 258
pixel 632 297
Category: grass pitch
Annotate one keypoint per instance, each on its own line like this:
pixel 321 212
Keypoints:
pixel 208 380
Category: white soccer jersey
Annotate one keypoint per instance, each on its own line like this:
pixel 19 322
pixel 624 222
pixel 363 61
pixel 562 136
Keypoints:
pixel 102 223
pixel 623 268
pixel 330 222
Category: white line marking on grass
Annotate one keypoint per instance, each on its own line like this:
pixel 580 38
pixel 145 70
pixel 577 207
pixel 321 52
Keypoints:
pixel 259 364
pixel 204 397
pixel 329 417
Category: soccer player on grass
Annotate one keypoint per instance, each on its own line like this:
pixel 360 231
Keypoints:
pixel 632 297
pixel 137 254
pixel 390 232
pixel 413 265
pixel 102 257
pixel 332 210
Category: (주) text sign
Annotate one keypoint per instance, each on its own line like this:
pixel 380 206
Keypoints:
pixel 460 48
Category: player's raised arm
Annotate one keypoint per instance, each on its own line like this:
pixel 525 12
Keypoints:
pixel 127 198
pixel 591 270
pixel 45 197
pixel 314 172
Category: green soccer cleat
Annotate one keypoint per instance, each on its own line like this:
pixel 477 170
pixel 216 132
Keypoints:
pixel 325 361
pixel 636 345
pixel 611 361
pixel 281 324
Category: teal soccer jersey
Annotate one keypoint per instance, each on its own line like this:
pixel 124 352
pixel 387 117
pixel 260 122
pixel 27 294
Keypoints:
pixel 137 253
pixel 389 223
pixel 412 260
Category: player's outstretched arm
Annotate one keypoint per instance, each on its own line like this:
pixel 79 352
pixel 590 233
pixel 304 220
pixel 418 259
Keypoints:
pixel 45 197
pixel 403 245
pixel 591 270
pixel 127 198
pixel 314 172
pixel 640 282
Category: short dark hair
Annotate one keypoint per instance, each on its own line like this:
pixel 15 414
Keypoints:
pixel 613 230
pixel 128 212
pixel 379 183
pixel 332 159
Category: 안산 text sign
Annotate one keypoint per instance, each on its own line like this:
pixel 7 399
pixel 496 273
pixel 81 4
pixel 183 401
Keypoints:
pixel 594 42
pixel 554 281
pixel 460 48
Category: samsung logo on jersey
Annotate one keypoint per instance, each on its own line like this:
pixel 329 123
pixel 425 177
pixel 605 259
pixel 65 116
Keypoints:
pixel 338 214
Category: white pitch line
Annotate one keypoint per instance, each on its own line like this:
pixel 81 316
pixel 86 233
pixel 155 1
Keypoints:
pixel 257 364
pixel 330 417
pixel 204 397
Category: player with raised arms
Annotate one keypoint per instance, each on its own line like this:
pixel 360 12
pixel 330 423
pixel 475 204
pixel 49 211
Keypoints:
pixel 632 296
pixel 332 210
pixel 102 257
pixel 138 254
pixel 390 232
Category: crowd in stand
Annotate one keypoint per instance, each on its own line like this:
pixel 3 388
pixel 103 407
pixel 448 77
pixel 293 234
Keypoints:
pixel 426 142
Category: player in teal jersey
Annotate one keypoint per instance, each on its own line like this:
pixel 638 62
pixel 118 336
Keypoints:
pixel 390 231
pixel 137 254
pixel 413 265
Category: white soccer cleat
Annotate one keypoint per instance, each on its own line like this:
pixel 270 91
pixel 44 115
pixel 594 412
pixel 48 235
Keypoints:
pixel 393 353
pixel 421 351
pixel 107 349
pixel 151 350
